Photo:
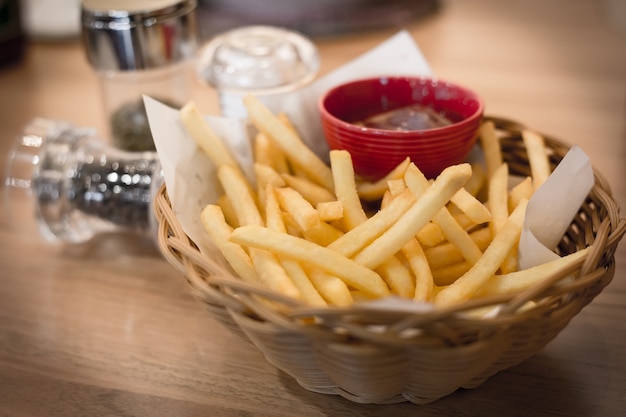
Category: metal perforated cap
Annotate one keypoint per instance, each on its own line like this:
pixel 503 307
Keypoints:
pixel 123 35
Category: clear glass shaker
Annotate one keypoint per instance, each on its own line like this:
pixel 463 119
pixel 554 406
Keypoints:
pixel 139 47
pixel 77 186
pixel 266 61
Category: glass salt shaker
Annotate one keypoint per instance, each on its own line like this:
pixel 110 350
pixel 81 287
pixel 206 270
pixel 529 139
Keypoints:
pixel 139 47
pixel 77 186
pixel 266 61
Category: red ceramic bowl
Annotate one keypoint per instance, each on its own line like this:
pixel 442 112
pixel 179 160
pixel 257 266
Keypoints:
pixel 377 151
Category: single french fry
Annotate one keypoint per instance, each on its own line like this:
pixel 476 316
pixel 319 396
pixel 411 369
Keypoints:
pixel 483 270
pixel 498 197
pixel 537 157
pixel 520 280
pixel 197 127
pixel 478 179
pixel 353 274
pixel 491 147
pixel 447 253
pixel 345 188
pixel 265 175
pixel 228 211
pixel 296 272
pixel 418 184
pixel 396 186
pixel 332 288
pixel 284 119
pixel 397 276
pixel 267 153
pixel 366 232
pixel 418 263
pixel 468 204
pixel 215 225
pixel 330 210
pixel 240 194
pixel 372 191
pixel 303 213
pixel 270 271
pixel 446 275
pixel 523 190
pixel 499 205
pixel 430 235
pixel 323 234
pixel 296 151
pixel 311 191
pixel 430 202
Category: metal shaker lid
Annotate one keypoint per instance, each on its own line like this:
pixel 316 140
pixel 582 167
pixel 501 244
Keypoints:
pixel 258 58
pixel 121 35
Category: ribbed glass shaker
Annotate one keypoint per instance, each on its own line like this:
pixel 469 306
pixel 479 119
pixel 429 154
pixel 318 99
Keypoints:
pixel 139 47
pixel 76 186
pixel 266 61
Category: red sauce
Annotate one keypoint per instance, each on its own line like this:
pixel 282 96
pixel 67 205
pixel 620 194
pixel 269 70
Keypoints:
pixel 413 117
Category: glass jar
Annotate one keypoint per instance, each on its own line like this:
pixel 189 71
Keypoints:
pixel 139 48
pixel 266 61
pixel 76 185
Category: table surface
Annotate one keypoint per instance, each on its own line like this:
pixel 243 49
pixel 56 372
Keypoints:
pixel 109 328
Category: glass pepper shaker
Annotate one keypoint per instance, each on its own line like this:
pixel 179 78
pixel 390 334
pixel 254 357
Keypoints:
pixel 266 61
pixel 139 47
pixel 77 185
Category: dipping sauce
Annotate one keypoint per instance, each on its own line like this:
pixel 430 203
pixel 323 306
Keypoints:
pixel 413 117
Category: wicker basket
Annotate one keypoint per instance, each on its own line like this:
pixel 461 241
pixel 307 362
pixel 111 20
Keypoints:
pixel 371 356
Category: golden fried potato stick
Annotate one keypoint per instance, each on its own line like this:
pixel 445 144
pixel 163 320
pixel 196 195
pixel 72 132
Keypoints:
pixel 418 215
pixel 491 147
pixel 227 209
pixel 333 289
pixel 498 197
pixel 311 191
pixel 214 223
pixel 430 235
pixel 372 191
pixel 484 270
pixel 476 182
pixel 418 184
pixel 300 210
pixel 344 184
pixel 265 175
pixel 520 280
pixel 499 205
pixel 239 193
pixel 197 127
pixel 296 272
pixel 323 234
pixel 297 152
pixel 447 274
pixel 330 210
pixel 471 206
pixel 353 274
pixel 266 264
pixel 537 157
pixel 271 272
pixel 418 263
pixel 267 153
pixel 447 253
pixel 365 233
pixel 523 190
pixel 397 276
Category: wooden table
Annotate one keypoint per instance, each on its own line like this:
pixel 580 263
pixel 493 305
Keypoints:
pixel 108 328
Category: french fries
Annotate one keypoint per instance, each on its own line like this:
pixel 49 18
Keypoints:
pixel 324 236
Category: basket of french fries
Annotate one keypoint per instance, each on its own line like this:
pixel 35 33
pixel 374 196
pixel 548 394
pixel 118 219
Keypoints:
pixel 400 289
